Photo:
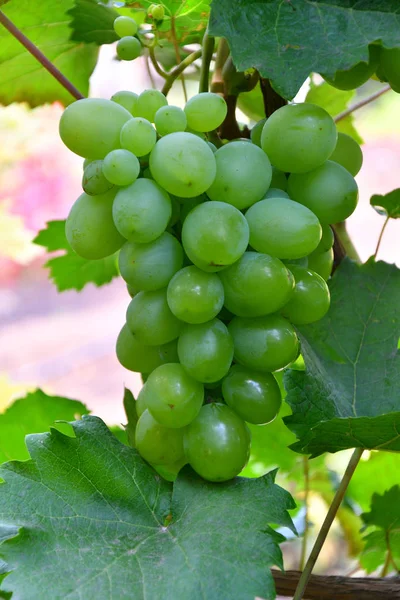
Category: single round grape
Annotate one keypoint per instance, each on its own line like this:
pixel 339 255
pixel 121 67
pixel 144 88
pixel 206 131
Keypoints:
pixel 141 211
pixel 90 127
pixel 129 48
pixel 173 397
pixel 149 318
pixel 195 296
pixel 283 228
pixel 150 267
pixel 124 26
pixel 87 162
pixel 299 137
pixel 183 164
pixel 215 235
pixel 310 300
pixel 212 146
pixel 327 239
pixel 141 404
pixel 121 167
pixel 279 179
pixel 264 343
pixel 256 285
pixel 255 133
pixel 389 67
pixel 348 154
pixel 157 11
pixel 157 444
pixel 206 350
pixel 126 99
pixel 329 191
pixel 137 357
pixel 205 111
pixel 138 136
pixel 243 174
pixel 321 263
pixel 350 79
pixel 148 104
pixel 276 193
pixel 90 229
pixel 254 396
pixel 217 443
pixel 169 119
pixel 93 180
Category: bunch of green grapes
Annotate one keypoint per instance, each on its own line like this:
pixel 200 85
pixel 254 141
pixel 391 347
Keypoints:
pixel 224 252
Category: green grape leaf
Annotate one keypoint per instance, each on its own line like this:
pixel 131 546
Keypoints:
pixel 92 22
pixel 384 515
pixel 378 473
pixel 70 271
pixel 46 24
pixel 334 102
pixel 287 40
pixel 34 413
pixel 131 415
pixel 349 395
pixel 387 205
pixel 135 535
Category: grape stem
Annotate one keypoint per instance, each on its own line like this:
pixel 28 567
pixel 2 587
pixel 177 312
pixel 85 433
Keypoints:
pixel 342 235
pixel 361 103
pixel 155 63
pixel 178 55
pixel 177 71
pixel 322 535
pixel 44 61
pixel 306 471
pixel 208 51
pixel 217 84
pixel 272 100
pixel 381 236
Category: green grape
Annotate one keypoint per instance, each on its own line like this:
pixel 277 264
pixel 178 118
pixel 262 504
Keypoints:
pixel 138 136
pixel 170 472
pixel 214 235
pixel 87 162
pixel 279 179
pixel 348 154
pixel 299 137
pixel 141 211
pixel 169 119
pixel 90 229
pixel 150 319
pixel 125 26
pixel 149 267
pixel 329 191
pixel 255 133
pixel 310 300
pixel 148 104
pixel 195 296
pixel 256 285
pixel 158 444
pixel 91 127
pixel 131 290
pixel 93 180
pixel 129 48
pixel 321 263
pixel 254 396
pixel 283 228
pixel 276 193
pixel 212 146
pixel 327 240
pixel 264 343
pixel 189 204
pixel 137 357
pixel 173 397
pixel 205 111
pixel 183 164
pixel 206 350
pixel 243 174
pixel 350 79
pixel 121 167
pixel 126 99
pixel 157 11
pixel 217 443
pixel 141 404
pixel 389 67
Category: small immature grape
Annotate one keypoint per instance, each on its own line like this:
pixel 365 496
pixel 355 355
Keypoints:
pixel 276 193
pixel 205 111
pixel 129 48
pixel 169 119
pixel 138 136
pixel 140 358
pixel 148 104
pixel 348 154
pixel 158 444
pixel 150 319
pixel 156 11
pixel 93 180
pixel 125 26
pixel 121 167
pixel 310 300
pixel 195 296
pixel 255 133
pixel 126 99
pixel 327 239
pixel 321 263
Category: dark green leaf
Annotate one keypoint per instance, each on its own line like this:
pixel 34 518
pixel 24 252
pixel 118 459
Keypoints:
pixel 93 500
pixel 32 414
pixel 349 395
pixel 93 22
pixel 70 271
pixel 387 205
pixel 287 40
pixel 46 24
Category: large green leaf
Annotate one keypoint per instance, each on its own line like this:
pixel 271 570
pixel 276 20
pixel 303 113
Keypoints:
pixel 286 40
pixel 70 271
pixel 46 24
pixel 33 414
pixel 96 522
pixel 92 22
pixel 349 395
pixel 376 474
